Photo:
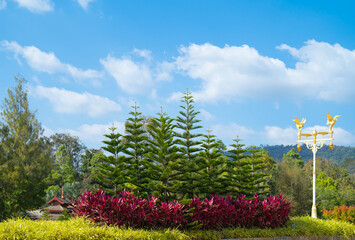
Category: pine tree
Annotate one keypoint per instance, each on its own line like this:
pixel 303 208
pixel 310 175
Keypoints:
pixel 162 157
pixel 189 149
pixel 257 182
pixel 112 171
pixel 211 177
pixel 236 180
pixel 25 162
pixel 135 141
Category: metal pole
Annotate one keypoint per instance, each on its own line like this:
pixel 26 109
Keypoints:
pixel 314 208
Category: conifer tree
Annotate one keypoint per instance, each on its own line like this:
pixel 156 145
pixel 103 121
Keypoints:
pixel 112 171
pixel 25 162
pixel 211 177
pixel 135 141
pixel 189 145
pixel 162 157
pixel 256 177
pixel 236 180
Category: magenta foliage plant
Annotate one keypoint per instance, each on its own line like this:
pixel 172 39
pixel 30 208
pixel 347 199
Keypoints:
pixel 209 213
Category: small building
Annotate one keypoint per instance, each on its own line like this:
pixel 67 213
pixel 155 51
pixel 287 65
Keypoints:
pixel 56 207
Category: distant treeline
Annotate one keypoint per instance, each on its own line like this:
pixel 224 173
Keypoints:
pixel 338 155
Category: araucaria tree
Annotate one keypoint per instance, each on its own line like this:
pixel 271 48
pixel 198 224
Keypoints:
pixel 135 141
pixel 236 182
pixel 162 157
pixel 112 171
pixel 25 157
pixel 255 174
pixel 189 145
pixel 211 177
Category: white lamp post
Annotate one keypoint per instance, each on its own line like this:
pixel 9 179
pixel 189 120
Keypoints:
pixel 315 144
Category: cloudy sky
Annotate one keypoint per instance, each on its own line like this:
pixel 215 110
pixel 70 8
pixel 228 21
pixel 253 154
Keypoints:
pixel 252 66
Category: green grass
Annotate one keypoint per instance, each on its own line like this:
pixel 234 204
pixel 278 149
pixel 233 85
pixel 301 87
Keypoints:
pixel 79 228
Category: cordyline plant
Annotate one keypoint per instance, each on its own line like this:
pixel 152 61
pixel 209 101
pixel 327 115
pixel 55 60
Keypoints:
pixel 214 212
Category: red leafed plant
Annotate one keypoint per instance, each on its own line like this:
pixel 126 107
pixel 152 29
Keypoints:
pixel 272 212
pixel 213 212
pixel 245 211
pixel 209 213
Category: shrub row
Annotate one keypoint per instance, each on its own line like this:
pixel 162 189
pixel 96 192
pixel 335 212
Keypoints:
pixel 209 213
pixel 342 212
pixel 80 228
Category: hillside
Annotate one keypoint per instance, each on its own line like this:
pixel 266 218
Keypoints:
pixel 339 154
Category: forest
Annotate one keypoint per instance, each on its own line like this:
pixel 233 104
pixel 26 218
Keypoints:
pixel 164 156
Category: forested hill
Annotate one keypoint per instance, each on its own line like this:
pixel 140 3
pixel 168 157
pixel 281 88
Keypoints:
pixel 339 154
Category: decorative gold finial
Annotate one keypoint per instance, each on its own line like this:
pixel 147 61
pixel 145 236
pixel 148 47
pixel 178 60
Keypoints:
pixel 299 126
pixel 314 133
pixel 331 121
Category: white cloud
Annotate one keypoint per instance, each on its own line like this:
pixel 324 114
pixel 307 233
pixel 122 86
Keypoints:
pixel 163 71
pixel 143 53
pixel 91 134
pixel 322 71
pixel 47 62
pixel 130 76
pixel 2 4
pixel 65 101
pixel 288 136
pixel 84 3
pixel 206 115
pixel 232 131
pixel 36 6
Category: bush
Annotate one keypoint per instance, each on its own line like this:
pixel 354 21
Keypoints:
pixel 273 212
pixel 129 210
pixel 214 212
pixel 340 213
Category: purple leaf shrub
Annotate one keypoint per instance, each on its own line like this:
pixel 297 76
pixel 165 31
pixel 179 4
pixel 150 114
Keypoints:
pixel 213 212
pixel 209 213
pixel 273 212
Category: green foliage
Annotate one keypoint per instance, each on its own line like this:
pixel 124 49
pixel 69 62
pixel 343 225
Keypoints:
pixel 162 158
pixel 211 177
pixel 79 228
pixel 24 155
pixel 237 182
pixel 112 170
pixel 290 180
pixel 74 150
pixel 63 171
pixel 294 158
pixel 189 145
pixel 135 141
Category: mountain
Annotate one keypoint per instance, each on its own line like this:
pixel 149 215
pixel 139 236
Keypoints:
pixel 338 155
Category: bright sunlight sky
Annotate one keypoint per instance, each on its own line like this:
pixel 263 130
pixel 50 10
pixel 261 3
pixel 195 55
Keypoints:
pixel 252 66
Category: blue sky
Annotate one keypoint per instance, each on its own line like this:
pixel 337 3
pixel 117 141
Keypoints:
pixel 253 66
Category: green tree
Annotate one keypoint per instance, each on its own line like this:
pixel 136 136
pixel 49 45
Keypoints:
pixel 189 145
pixel 63 171
pixel 25 162
pixel 135 140
pixel 74 148
pixel 236 182
pixel 112 171
pixel 211 177
pixel 291 180
pixel 293 157
pixel 256 175
pixel 162 158
pixel 89 167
